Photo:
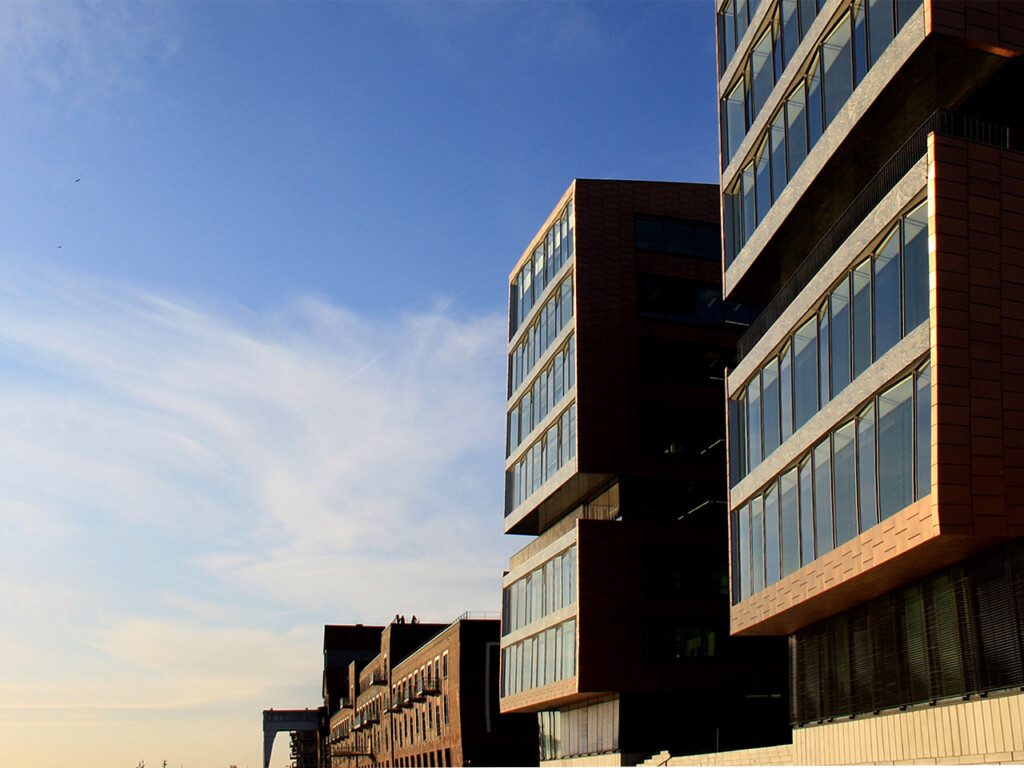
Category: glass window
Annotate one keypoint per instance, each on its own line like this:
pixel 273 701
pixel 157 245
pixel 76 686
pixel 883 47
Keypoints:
pixel 771 536
pixel 754 421
pixel 895 448
pixel 570 364
pixel 845 469
pixel 805 373
pixel 880 28
pixel 749 209
pixel 540 275
pixel 806 513
pixel 572 432
pixel 823 497
pixel 887 294
pixel 757 543
pixel 796 122
pixel 556 583
pixel 923 428
pixel 814 107
pixel 823 364
pixel 558 376
pixel 839 302
pixel 860 52
pixel 735 118
pixel 808 11
pixel 513 430
pixel 790 522
pixel 861 317
pixel 764 181
pixel 770 408
pixel 915 267
pixel 837 68
pixel 744 554
pixel 778 144
pixel 790 30
pixel 566 301
pixel 552 452
pixel 763 78
pixel 786 391
pixel 569 649
pixel 741 18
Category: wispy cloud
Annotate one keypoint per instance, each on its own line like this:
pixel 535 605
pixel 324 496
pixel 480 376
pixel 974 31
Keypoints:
pixel 189 494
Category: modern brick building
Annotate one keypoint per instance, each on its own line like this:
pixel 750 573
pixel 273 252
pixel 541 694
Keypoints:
pixel 615 614
pixel 428 697
pixel 873 201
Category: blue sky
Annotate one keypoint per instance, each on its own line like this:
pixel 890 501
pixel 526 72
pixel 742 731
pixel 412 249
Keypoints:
pixel 253 361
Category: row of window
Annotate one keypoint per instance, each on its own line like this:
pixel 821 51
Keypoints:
pixel 790 21
pixel 733 20
pixel 554 316
pixel 546 657
pixel 677 236
pixel 553 383
pixel 863 472
pixel 422 723
pixel 553 252
pixel 875 304
pixel 590 729
pixel 550 453
pixel 835 68
pixel 682 300
pixel 542 591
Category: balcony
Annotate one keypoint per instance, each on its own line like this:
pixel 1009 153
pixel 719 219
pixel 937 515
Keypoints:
pixel 428 685
pixel 357 722
pixel 370 716
pixel 378 677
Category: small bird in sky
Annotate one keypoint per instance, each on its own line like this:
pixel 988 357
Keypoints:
pixel 60 246
pixel 77 180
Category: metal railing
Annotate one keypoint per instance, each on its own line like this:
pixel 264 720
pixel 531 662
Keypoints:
pixel 942 122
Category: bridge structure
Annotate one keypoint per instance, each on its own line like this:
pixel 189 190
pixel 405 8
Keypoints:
pixel 277 720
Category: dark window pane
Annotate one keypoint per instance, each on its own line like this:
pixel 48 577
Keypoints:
pixel 805 373
pixel 895 448
pixel 924 432
pixel 845 468
pixel 904 10
pixel 840 307
pixel 806 513
pixel 648 234
pixel 862 317
pixel 741 18
pixel 808 10
pixel 880 26
pixel 837 68
pixel 770 408
pixel 866 468
pixel 771 536
pixel 790 520
pixel 915 268
pixel 734 541
pixel 823 497
pixel 887 295
pixel 737 440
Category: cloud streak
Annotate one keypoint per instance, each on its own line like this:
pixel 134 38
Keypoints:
pixel 191 493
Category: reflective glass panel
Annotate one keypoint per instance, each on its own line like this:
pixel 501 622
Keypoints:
pixel 735 113
pixel 824 369
pixel 790 522
pixel 895 448
pixel 762 75
pixel 861 317
pixel 770 407
pixel 813 83
pixel 915 267
pixel 839 303
pixel 923 427
pixel 796 120
pixel 887 294
pixel 880 26
pixel 805 373
pixel 823 497
pixel 806 513
pixel 757 543
pixel 845 468
pixel 771 536
pixel 837 68
pixel 778 146
pixel 866 468
pixel 764 181
pixel 754 422
pixel 786 391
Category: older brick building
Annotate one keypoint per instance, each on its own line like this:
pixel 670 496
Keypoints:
pixel 873 201
pixel 428 697
pixel 615 615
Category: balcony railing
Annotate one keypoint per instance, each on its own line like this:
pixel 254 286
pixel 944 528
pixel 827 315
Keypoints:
pixel 428 685
pixel 378 677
